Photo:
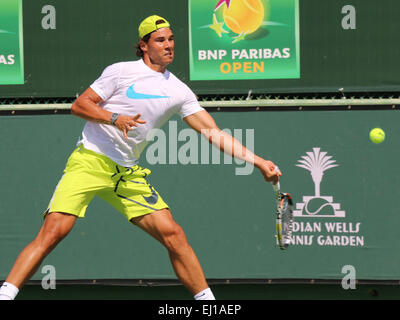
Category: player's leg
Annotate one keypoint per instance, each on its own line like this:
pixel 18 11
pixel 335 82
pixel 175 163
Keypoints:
pixel 142 205
pixel 161 225
pixel 55 227
pixel 71 196
pixel 74 192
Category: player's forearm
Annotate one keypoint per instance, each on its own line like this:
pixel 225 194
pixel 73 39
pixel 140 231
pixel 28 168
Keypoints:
pixel 228 144
pixel 88 110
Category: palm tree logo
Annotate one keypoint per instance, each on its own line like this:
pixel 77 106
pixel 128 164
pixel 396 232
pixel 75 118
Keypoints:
pixel 317 163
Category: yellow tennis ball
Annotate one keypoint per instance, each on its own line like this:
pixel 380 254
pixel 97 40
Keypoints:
pixel 244 15
pixel 377 135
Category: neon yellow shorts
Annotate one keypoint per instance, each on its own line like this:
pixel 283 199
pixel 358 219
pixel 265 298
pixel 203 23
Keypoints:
pixel 88 174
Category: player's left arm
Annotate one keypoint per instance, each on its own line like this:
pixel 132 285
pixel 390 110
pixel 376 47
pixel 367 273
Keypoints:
pixel 204 123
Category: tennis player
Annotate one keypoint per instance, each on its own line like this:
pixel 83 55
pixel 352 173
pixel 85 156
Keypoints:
pixel 121 107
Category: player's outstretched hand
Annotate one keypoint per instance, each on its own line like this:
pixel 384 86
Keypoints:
pixel 267 169
pixel 125 123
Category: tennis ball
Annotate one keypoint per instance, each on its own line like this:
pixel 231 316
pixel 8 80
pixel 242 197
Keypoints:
pixel 244 15
pixel 377 135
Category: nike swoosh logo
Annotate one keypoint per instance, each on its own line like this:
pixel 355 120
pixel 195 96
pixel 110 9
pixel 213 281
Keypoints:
pixel 132 94
pixel 153 198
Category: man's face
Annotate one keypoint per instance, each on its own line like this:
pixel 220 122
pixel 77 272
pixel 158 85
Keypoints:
pixel 160 47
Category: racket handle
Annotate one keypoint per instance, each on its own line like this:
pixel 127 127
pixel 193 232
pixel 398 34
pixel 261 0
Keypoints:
pixel 277 187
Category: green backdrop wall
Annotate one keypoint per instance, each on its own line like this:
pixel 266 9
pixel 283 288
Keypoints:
pixel 228 218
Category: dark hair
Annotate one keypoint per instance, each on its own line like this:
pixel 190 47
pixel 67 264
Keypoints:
pixel 146 38
pixel 139 51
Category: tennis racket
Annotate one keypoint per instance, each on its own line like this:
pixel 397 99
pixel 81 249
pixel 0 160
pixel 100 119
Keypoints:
pixel 284 216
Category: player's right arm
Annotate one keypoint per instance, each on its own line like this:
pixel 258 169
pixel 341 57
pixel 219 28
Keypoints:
pixel 86 106
pixel 203 123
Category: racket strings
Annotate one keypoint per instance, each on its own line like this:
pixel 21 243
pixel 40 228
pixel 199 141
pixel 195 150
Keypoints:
pixel 287 218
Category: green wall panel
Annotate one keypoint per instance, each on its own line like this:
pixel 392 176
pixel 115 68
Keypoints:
pixel 228 218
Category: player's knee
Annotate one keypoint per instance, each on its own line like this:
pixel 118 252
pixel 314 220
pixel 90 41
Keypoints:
pixel 54 229
pixel 175 239
pixel 49 238
pixel 49 241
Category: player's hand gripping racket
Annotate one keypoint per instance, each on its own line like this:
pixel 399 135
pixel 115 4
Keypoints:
pixel 284 216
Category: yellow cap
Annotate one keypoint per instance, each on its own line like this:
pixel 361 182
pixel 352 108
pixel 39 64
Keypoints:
pixel 149 25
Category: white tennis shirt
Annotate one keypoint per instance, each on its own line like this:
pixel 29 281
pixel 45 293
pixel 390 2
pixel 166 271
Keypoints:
pixel 130 88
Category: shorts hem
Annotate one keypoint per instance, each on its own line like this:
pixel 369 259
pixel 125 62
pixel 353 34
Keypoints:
pixel 48 211
pixel 130 217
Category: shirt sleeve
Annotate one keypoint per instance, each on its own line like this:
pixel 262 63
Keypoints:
pixel 190 104
pixel 107 83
